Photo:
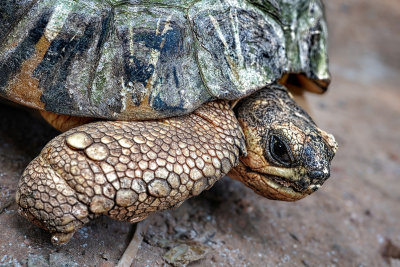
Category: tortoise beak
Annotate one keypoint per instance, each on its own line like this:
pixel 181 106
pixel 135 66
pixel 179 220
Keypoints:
pixel 319 174
pixel 319 150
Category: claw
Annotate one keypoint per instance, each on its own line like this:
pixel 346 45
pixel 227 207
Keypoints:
pixel 61 238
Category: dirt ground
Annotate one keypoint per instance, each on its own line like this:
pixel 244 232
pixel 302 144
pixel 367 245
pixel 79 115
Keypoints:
pixel 353 220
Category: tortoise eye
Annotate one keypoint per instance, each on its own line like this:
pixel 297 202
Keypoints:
pixel 280 151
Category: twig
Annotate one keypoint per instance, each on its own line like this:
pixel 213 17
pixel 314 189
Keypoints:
pixel 130 253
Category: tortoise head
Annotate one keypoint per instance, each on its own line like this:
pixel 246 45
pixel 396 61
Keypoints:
pixel 288 156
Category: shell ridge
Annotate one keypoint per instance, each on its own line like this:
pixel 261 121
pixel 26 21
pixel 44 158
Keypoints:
pixel 196 55
pixel 104 35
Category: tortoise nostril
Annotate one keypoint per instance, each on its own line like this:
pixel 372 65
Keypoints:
pixel 318 174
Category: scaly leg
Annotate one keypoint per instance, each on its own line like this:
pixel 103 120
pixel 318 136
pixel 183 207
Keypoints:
pixel 127 170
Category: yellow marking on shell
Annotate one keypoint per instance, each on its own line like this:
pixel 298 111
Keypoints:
pixel 132 112
pixel 155 53
pixel 129 110
pixel 79 140
pixel 158 26
pixel 57 19
pixel 97 151
pixel 154 56
pixel 218 29
pixel 24 88
pixel 130 44
pixel 243 77
pixel 126 91
pixel 167 26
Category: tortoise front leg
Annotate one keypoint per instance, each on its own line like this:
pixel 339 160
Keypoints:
pixel 127 170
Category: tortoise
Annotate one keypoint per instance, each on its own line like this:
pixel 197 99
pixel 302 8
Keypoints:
pixel 181 92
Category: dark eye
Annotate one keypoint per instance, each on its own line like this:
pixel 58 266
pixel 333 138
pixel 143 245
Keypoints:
pixel 280 151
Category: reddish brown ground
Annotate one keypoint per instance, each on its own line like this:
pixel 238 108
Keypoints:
pixel 346 223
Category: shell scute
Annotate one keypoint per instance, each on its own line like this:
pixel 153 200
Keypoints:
pixel 241 49
pixel 146 60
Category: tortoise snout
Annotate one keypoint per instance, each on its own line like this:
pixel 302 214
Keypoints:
pixel 319 174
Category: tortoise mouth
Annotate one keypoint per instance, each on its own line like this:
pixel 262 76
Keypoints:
pixel 273 186
pixel 282 188
pixel 302 186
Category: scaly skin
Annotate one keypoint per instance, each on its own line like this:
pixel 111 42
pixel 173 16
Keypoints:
pixel 271 114
pixel 128 170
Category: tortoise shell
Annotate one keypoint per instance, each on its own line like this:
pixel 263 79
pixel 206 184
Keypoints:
pixel 128 60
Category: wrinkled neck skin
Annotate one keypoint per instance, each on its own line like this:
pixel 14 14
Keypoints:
pixel 288 156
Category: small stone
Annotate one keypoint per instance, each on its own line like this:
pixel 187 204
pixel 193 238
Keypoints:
pixel 62 259
pixel 184 254
pixel 36 260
